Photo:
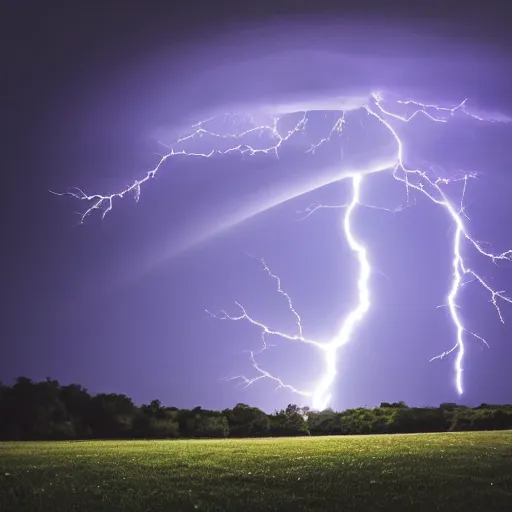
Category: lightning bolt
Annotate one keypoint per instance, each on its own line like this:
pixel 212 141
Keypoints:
pixel 322 393
pixel 418 180
pixel 433 190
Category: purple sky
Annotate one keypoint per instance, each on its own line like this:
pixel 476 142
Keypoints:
pixel 118 305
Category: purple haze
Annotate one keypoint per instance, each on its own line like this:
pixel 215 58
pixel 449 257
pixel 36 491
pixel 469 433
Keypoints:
pixel 119 305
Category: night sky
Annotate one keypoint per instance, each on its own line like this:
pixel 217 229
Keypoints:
pixel 118 304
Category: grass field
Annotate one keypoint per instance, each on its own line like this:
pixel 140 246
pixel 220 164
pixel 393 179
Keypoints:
pixel 460 471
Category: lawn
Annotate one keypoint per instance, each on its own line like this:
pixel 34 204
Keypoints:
pixel 457 471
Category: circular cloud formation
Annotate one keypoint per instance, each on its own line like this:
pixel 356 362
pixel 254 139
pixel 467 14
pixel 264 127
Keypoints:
pixel 284 68
pixel 285 64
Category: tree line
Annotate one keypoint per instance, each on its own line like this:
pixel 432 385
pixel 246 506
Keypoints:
pixel 48 410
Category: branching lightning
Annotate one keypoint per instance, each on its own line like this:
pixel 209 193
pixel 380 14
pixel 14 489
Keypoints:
pixel 433 190
pixel 419 180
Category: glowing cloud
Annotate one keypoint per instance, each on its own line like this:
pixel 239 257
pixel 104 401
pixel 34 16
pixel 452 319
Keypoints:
pixel 268 112
pixel 269 140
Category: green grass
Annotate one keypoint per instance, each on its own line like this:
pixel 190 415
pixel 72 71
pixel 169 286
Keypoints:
pixel 460 471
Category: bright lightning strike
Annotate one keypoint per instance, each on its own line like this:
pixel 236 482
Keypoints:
pixel 419 180
pixel 433 190
pixel 322 393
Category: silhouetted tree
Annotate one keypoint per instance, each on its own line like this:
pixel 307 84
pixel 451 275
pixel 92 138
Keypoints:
pixel 156 422
pixel 324 423
pixel 202 423
pixel 78 404
pixel 46 410
pixel 245 421
pixel 111 416
pixel 289 422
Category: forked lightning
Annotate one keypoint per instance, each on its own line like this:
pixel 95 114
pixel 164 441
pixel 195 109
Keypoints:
pixel 419 180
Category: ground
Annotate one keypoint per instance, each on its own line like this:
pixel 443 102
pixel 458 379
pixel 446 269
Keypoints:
pixel 456 471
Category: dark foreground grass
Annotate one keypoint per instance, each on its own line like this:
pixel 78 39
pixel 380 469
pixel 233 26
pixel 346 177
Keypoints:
pixel 463 471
